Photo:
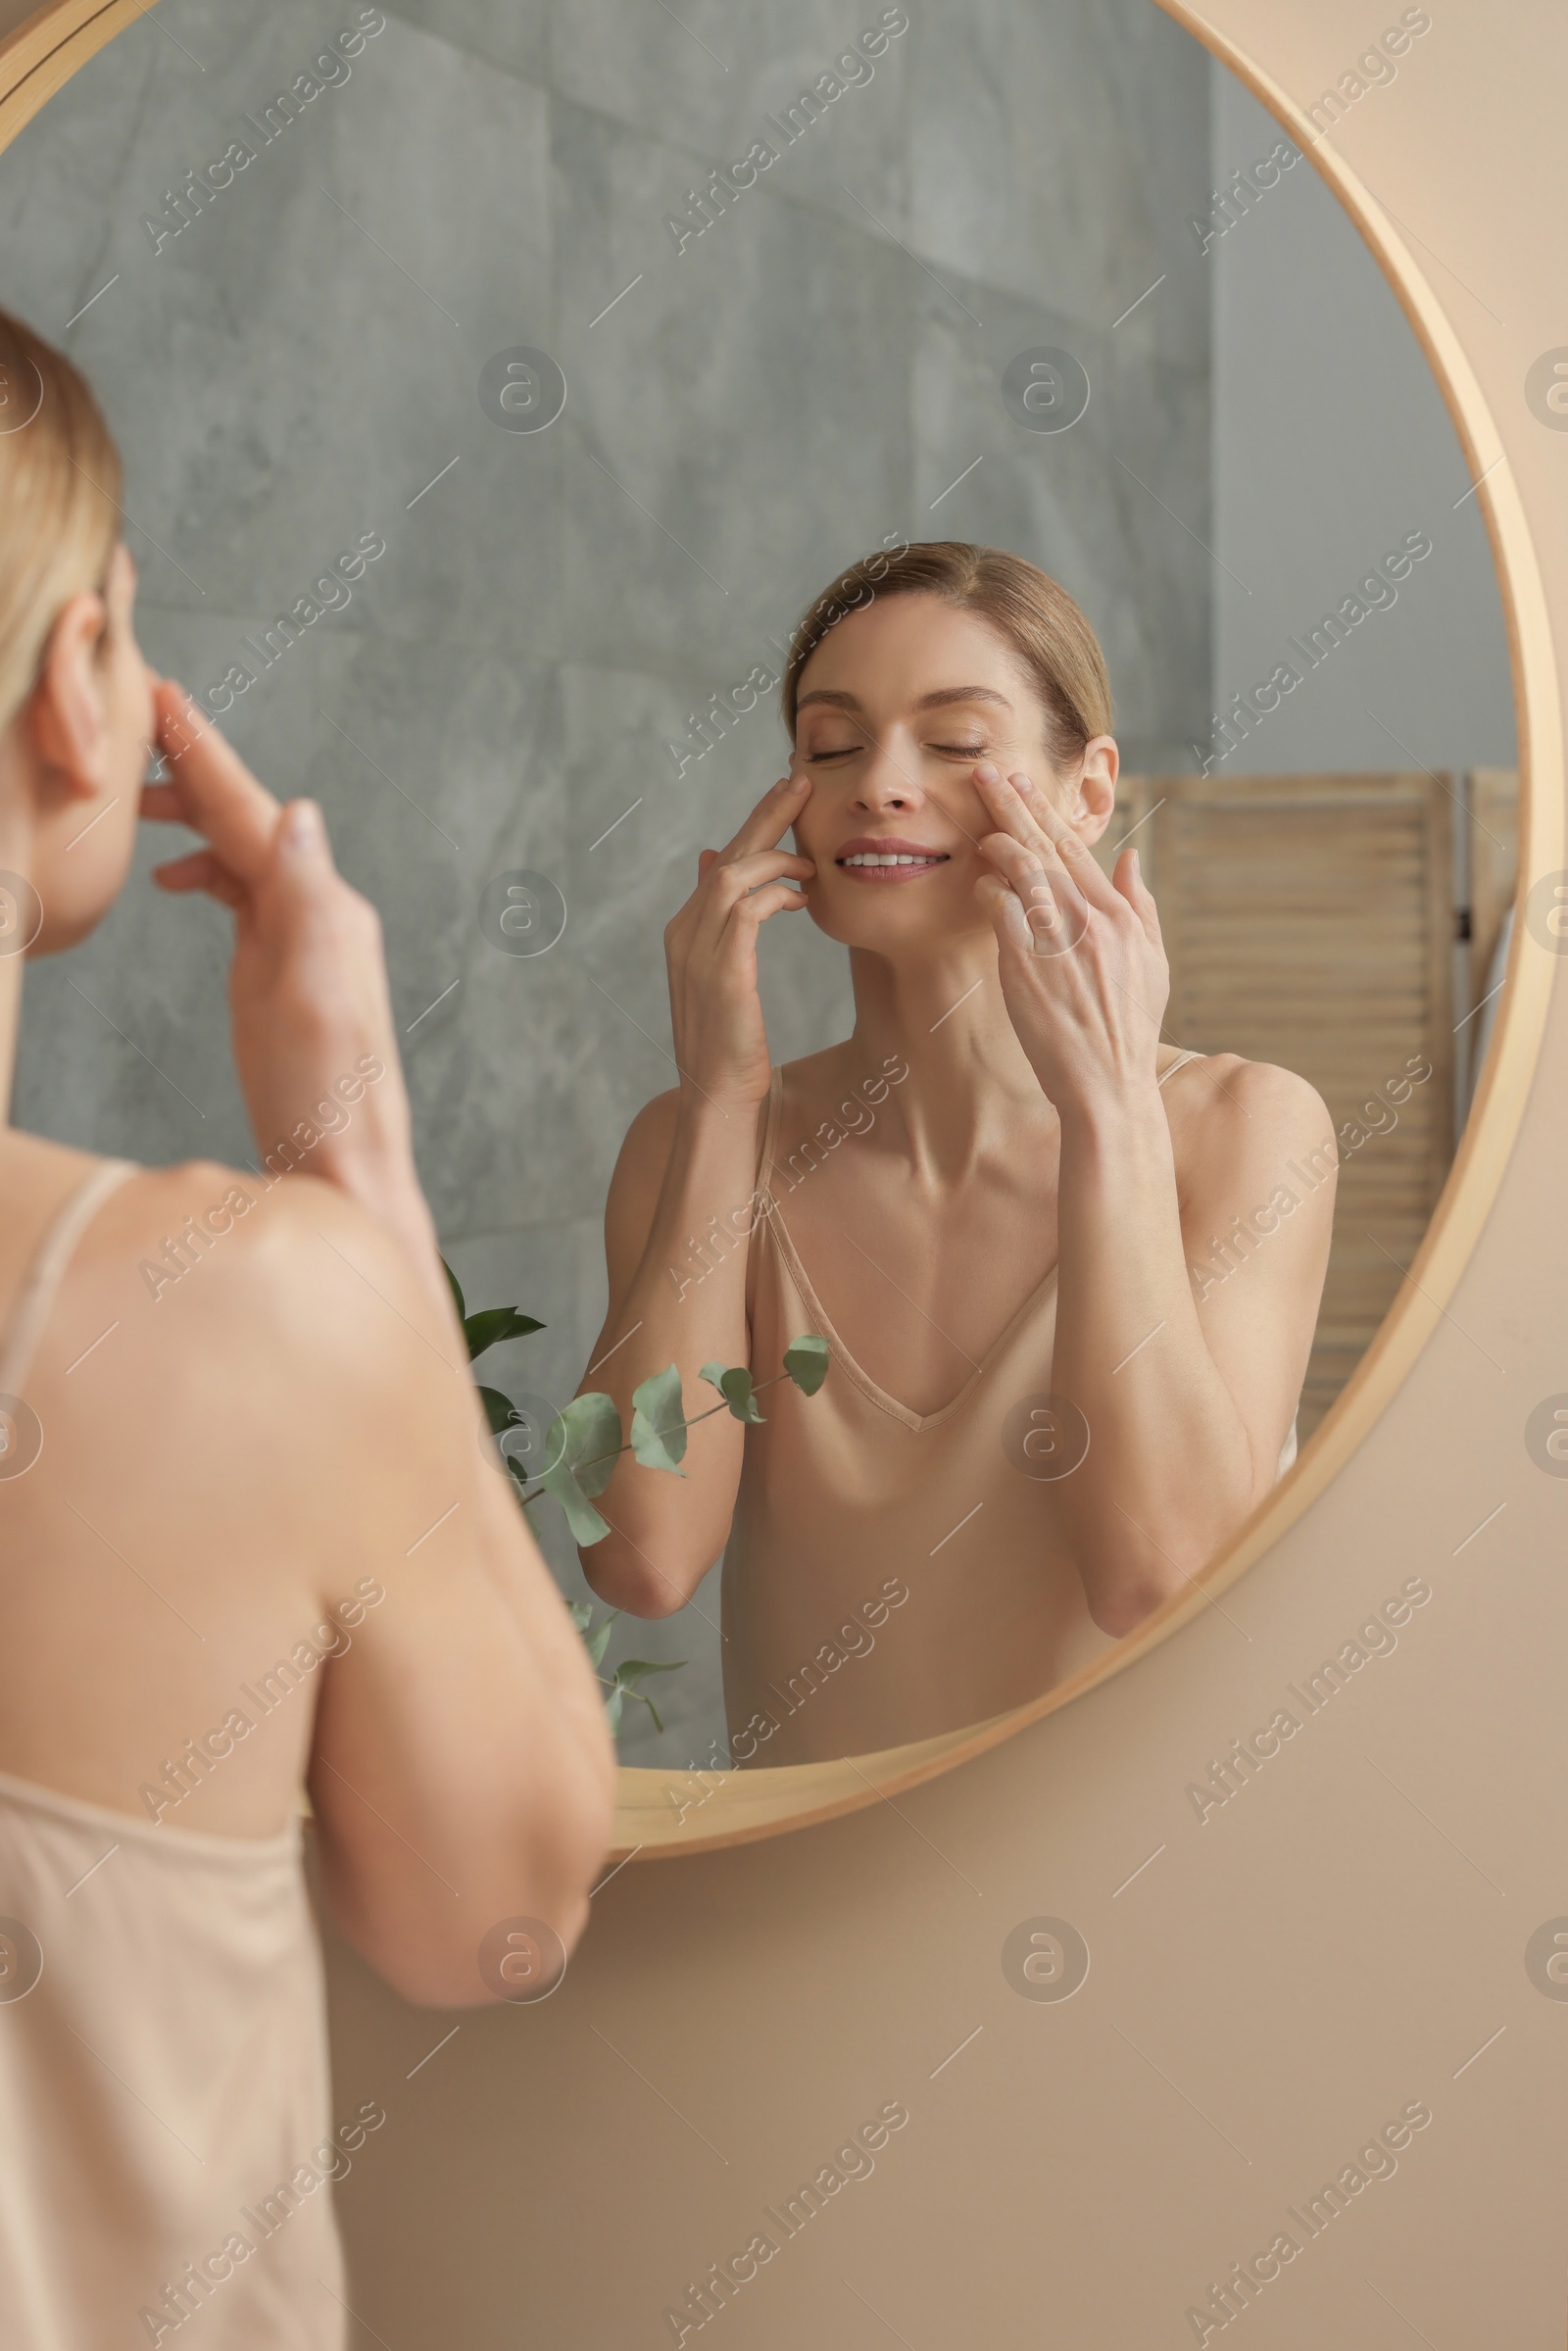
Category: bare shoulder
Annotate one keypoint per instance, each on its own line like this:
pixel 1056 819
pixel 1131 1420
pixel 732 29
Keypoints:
pixel 1233 1119
pixel 202 1262
pixel 651 1135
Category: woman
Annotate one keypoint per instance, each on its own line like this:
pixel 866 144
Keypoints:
pixel 1037 1426
pixel 246 1535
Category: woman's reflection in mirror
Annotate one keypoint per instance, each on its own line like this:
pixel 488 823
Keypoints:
pixel 1038 1422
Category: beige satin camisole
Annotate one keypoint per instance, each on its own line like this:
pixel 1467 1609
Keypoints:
pixel 164 2099
pixel 890 1575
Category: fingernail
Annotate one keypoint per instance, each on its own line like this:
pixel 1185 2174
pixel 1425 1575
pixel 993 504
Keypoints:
pixel 302 826
pixel 985 769
pixel 1138 870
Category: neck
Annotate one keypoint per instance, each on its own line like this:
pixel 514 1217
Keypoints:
pixel 944 1015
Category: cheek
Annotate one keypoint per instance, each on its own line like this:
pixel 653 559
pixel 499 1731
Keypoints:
pixel 809 840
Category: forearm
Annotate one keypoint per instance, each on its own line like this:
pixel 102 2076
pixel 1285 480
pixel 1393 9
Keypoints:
pixel 686 1306
pixel 1170 1471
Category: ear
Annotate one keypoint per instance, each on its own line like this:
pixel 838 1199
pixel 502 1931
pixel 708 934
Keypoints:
pixel 1095 796
pixel 67 716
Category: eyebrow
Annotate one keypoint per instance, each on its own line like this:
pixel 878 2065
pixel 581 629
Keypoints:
pixel 927 702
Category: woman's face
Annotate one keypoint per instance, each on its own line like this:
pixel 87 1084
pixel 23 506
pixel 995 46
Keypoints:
pixel 897 707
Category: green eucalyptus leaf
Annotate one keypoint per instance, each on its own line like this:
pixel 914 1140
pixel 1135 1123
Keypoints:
pixel 496 1323
pixel 586 1437
pixel 498 1410
pixel 582 1518
pixel 613 1707
pixel 457 1289
pixel 658 1430
pixel 734 1385
pixel 632 1670
pixel 598 1642
pixel 806 1361
pixel 582 1614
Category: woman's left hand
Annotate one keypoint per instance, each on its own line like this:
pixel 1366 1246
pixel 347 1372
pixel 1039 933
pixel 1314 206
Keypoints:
pixel 1084 974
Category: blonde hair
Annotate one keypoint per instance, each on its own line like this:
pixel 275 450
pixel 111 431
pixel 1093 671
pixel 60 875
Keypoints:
pixel 60 486
pixel 1035 617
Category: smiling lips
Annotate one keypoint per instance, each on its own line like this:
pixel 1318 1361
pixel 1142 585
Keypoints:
pixel 881 861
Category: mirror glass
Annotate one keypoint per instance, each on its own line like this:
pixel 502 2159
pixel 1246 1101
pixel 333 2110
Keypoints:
pixel 498 387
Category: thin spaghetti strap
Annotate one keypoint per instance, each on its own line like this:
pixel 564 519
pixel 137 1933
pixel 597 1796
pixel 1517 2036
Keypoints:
pixel 764 1156
pixel 1180 1062
pixel 54 1253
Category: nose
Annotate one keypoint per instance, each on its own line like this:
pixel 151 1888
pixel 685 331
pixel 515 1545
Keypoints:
pixel 890 778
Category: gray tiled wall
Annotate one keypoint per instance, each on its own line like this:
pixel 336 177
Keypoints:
pixel 295 366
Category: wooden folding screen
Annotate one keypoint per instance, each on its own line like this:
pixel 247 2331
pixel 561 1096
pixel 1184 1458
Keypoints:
pixel 1493 801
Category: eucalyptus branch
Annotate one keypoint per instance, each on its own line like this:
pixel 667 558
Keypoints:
pixel 694 1422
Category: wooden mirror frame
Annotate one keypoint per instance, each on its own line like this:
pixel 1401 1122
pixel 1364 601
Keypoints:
pixel 663 1813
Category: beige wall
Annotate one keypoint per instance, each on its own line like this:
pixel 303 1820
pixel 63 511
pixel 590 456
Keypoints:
pixel 1285 1977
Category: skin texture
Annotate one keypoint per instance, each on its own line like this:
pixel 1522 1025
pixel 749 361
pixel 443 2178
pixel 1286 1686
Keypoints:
pixel 251 1447
pixel 1025 992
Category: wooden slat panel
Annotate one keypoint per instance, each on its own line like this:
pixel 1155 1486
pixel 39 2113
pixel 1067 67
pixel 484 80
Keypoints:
pixel 1308 921
pixel 1493 803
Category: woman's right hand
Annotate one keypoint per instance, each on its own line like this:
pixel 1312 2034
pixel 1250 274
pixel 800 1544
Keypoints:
pixel 710 951
pixel 308 988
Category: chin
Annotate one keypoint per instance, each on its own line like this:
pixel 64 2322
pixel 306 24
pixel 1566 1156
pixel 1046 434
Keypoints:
pixel 886 925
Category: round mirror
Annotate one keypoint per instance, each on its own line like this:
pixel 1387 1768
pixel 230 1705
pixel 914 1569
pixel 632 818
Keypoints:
pixel 970 474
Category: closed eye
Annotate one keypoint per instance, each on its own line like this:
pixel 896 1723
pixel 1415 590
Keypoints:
pixel 849 751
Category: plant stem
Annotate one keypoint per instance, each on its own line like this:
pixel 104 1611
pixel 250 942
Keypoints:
pixel 578 1466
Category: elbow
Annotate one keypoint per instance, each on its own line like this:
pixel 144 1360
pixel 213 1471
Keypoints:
pixel 1128 1588
pixel 524 1907
pixel 1121 1612
pixel 627 1581
pixel 511 1964
pixel 1121 1603
pixel 520 1955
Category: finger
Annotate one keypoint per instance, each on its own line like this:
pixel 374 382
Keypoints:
pixel 759 905
pixel 771 817
pixel 301 875
pixel 1028 820
pixel 1068 842
pixel 1006 912
pixel 706 859
pixel 201 871
pixel 1005 805
pixel 734 887
pixel 216 793
pixel 1027 866
pixel 1128 879
pixel 738 874
pixel 1028 813
pixel 1056 914
pixel 161 804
